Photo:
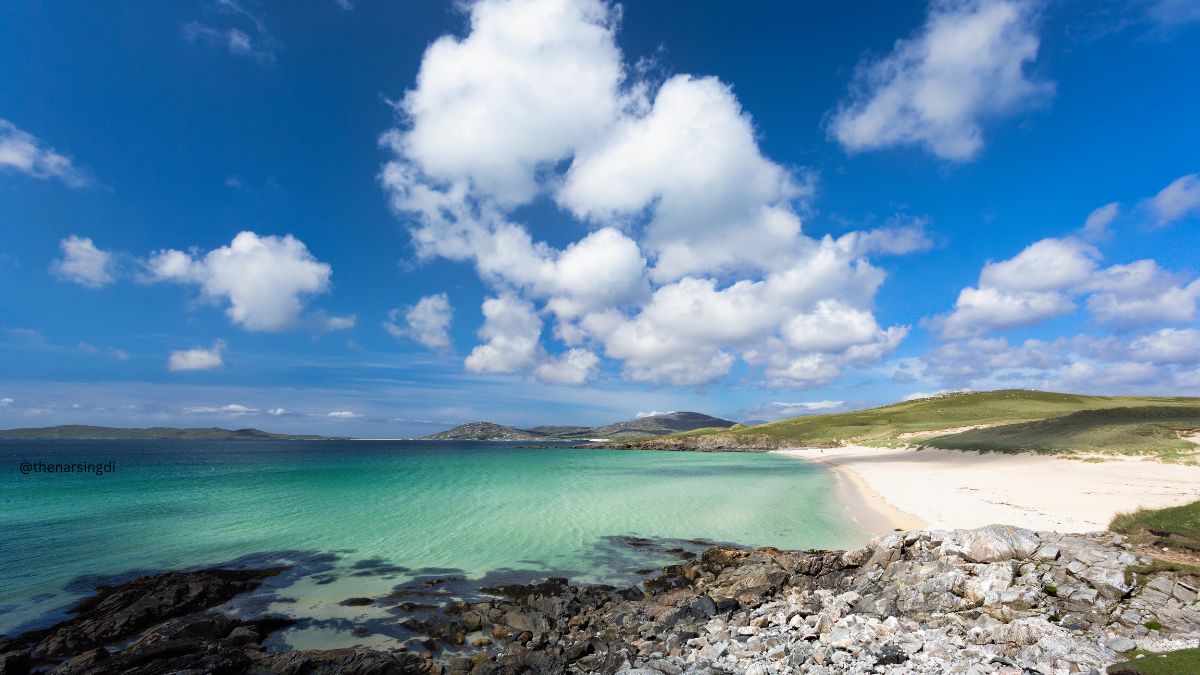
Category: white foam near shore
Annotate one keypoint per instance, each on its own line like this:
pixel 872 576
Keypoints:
pixel 909 488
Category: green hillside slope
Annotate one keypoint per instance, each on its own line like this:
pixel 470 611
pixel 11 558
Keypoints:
pixel 1133 430
pixel 1143 422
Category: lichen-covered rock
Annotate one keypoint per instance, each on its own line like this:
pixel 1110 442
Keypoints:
pixel 991 544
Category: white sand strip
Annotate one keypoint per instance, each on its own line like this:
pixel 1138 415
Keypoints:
pixel 948 489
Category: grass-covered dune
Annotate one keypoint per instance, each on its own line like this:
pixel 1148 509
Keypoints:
pixel 1173 527
pixel 1150 429
pixel 1011 420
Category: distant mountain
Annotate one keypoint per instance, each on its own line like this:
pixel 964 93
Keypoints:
pixel 660 425
pixel 652 425
pixel 560 431
pixel 86 432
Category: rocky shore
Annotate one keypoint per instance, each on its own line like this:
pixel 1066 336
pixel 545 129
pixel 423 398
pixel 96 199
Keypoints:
pixel 996 600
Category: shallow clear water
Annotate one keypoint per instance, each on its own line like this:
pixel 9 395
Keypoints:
pixel 364 517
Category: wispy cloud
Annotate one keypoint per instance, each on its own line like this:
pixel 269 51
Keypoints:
pixel 1169 15
pixel 1176 201
pixel 118 354
pixel 21 151
pixel 249 39
pixel 228 409
pixel 967 64
pixel 778 410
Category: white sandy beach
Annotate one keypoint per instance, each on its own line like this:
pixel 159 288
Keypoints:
pixel 887 488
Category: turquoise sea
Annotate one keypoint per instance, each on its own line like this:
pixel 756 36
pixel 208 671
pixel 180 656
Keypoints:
pixel 369 518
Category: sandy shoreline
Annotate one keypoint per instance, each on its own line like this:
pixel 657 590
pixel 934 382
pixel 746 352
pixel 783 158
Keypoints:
pixel 886 489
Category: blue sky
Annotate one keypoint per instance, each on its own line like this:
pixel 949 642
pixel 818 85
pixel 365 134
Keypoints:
pixel 381 219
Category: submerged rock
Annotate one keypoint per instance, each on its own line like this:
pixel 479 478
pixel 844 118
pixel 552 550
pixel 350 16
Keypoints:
pixel 117 612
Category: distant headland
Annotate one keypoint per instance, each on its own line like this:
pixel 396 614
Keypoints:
pixel 85 432
pixel 641 427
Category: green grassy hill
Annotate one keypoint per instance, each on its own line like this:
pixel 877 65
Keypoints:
pixel 1006 420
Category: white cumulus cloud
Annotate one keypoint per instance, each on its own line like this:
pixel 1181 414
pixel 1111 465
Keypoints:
pixel 511 331
pixel 693 159
pixel 532 81
pixel 1157 302
pixel 1046 265
pixel 197 358
pixel 1168 345
pixel 967 64
pixel 426 322
pixel 1045 279
pixel 831 327
pixel 981 310
pixel 574 366
pixel 535 100
pixel 1150 363
pixel 83 263
pixel 262 278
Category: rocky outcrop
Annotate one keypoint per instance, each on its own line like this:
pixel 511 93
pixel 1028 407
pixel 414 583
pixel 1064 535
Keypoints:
pixel 997 600
pixel 722 442
pixel 993 600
